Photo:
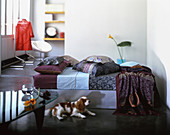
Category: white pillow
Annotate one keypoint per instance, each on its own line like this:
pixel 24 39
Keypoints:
pixel 129 64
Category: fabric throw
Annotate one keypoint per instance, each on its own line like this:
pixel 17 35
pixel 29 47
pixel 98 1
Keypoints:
pixel 97 69
pixel 55 60
pixel 135 92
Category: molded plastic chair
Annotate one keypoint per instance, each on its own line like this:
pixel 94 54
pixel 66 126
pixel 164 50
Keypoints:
pixel 41 46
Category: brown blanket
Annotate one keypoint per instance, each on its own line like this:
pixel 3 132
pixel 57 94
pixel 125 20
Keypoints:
pixel 135 93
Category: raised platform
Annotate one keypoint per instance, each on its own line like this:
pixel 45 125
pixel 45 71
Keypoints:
pixel 98 98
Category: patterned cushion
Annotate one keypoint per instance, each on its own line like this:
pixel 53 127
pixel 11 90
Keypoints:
pixel 97 69
pixel 105 69
pixel 52 69
pixel 84 66
pixel 98 59
pixel 72 60
pixel 55 60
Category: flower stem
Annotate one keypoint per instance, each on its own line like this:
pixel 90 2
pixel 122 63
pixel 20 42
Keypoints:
pixel 120 54
pixel 118 50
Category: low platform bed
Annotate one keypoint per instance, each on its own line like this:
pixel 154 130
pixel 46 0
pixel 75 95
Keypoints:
pixel 72 79
pixel 128 89
pixel 71 85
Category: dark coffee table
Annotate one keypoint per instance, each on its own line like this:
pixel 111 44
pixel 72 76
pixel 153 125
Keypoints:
pixel 12 107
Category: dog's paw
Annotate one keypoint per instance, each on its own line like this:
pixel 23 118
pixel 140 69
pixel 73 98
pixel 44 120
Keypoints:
pixel 83 117
pixel 60 118
pixel 71 115
pixel 92 114
pixel 63 115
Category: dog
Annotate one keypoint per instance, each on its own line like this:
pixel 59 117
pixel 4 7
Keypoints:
pixel 72 108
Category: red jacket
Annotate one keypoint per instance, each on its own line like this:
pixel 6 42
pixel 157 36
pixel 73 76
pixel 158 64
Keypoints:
pixel 23 35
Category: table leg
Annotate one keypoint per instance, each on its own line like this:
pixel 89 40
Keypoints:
pixel 39 116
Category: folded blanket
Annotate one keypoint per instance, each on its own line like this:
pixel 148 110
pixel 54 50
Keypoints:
pixel 134 93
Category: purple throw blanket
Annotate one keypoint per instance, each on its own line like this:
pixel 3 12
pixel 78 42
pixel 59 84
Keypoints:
pixel 135 89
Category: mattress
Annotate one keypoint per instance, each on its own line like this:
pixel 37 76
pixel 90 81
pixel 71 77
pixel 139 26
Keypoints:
pixel 104 82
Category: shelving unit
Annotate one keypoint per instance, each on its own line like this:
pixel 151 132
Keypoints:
pixel 54 12
pixel 59 39
pixel 53 20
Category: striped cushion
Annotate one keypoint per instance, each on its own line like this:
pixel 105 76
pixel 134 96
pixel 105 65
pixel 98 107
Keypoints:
pixel 97 69
pixel 84 66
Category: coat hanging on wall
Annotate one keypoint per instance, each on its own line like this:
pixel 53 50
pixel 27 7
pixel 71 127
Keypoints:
pixel 24 33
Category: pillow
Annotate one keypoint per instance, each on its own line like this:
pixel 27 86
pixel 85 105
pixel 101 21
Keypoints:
pixel 84 66
pixel 106 68
pixel 52 69
pixel 129 64
pixel 98 59
pixel 97 69
pixel 55 60
pixel 72 60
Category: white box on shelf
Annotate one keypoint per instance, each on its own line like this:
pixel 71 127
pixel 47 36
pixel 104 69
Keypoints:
pixel 54 7
pixel 48 17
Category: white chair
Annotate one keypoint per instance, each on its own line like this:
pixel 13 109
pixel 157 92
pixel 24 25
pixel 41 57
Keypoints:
pixel 41 46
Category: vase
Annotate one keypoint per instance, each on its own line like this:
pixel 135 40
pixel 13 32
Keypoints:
pixel 119 61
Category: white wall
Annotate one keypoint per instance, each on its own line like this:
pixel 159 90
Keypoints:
pixel 158 44
pixel 89 23
pixel 25 10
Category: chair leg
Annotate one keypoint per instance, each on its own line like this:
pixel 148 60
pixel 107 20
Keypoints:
pixel 41 59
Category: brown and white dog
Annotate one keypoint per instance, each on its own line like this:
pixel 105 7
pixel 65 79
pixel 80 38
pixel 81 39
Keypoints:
pixel 72 108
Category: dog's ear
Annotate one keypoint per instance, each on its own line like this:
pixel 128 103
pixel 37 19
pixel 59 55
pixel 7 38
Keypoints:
pixel 80 105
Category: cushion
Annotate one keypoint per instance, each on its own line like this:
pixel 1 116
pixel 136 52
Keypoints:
pixel 97 69
pixel 70 59
pixel 52 69
pixel 98 59
pixel 129 64
pixel 106 68
pixel 84 66
pixel 55 60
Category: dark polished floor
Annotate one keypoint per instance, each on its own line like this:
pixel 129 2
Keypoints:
pixel 101 124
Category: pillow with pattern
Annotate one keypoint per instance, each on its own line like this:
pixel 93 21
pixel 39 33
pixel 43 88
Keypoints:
pixel 72 60
pixel 84 66
pixel 98 59
pixel 54 60
pixel 97 69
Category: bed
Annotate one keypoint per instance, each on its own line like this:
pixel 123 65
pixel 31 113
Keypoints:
pixel 71 83
pixel 95 77
pixel 71 79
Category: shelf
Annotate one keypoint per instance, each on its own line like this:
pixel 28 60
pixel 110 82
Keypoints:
pixel 54 12
pixel 54 21
pixel 59 39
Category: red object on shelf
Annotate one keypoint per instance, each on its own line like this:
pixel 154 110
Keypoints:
pixel 61 34
pixel 23 36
